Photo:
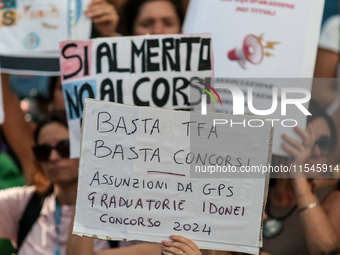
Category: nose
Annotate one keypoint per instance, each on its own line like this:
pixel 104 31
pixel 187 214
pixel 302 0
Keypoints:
pixel 158 28
pixel 54 155
pixel 316 150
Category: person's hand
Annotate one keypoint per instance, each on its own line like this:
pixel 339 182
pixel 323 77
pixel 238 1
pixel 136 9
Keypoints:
pixel 300 151
pixel 180 246
pixel 104 17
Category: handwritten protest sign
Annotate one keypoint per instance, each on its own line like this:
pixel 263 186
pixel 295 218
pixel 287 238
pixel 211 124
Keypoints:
pixel 33 29
pixel 135 177
pixel 260 42
pixel 154 71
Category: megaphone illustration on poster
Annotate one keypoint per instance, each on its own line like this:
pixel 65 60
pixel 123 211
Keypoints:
pixel 251 51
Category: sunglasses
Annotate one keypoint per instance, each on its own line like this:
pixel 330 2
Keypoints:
pixel 325 144
pixel 42 152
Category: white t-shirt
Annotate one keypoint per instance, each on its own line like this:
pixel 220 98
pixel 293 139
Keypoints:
pixel 41 239
pixel 330 40
pixel 330 34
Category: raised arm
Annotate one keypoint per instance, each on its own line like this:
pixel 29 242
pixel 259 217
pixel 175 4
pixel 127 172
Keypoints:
pixel 17 131
pixel 78 244
pixel 327 62
pixel 326 65
pixel 319 222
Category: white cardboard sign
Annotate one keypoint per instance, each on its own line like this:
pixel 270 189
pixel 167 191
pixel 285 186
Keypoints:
pixel 135 177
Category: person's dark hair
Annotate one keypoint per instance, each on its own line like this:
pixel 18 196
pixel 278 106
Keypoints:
pixel 334 252
pixel 44 186
pixel 55 116
pixel 130 11
pixel 51 91
pixel 317 112
pixel 51 87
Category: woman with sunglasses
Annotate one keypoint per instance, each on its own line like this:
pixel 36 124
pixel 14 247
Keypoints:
pixel 55 180
pixel 304 218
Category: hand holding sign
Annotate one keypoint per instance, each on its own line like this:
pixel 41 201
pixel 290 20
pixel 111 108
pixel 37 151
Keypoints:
pixel 134 177
pixel 180 245
pixel 104 16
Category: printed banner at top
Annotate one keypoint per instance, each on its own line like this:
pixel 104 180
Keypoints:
pixel 160 71
pixel 36 26
pixel 259 38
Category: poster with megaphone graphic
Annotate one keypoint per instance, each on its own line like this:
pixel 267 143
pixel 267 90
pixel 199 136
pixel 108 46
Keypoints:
pixel 260 46
pixel 252 50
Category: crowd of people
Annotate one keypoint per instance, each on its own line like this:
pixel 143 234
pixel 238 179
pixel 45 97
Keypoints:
pixel 302 215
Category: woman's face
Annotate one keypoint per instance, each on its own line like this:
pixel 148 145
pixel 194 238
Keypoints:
pixel 157 17
pixel 322 132
pixel 61 171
